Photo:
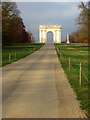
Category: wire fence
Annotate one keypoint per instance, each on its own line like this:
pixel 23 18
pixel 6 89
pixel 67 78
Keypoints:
pixel 13 56
pixel 84 75
pixel 81 71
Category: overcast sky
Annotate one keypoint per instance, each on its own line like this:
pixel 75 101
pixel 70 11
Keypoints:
pixel 49 13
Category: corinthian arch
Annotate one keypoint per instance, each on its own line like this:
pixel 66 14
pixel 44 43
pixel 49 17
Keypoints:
pixel 55 29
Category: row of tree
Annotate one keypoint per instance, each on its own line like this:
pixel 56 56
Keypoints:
pixel 13 29
pixel 81 35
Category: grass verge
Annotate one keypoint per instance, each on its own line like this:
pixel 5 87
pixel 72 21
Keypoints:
pixel 70 56
pixel 14 52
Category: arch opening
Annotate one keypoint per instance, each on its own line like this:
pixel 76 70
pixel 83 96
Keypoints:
pixel 49 37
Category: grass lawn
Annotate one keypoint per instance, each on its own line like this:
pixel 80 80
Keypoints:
pixel 14 52
pixel 76 53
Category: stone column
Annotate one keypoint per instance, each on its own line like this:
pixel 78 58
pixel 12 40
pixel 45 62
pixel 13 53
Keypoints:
pixel 57 40
pixel 54 36
pixel 44 36
pixel 58 36
pixel 40 36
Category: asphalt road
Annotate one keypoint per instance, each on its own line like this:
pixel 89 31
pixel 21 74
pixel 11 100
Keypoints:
pixel 36 87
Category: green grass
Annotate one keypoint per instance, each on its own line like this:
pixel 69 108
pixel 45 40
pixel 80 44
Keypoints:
pixel 14 52
pixel 78 53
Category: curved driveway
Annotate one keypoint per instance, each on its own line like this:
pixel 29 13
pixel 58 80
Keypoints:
pixel 36 87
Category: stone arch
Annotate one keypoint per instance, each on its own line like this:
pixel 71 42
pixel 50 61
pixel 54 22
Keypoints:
pixel 55 29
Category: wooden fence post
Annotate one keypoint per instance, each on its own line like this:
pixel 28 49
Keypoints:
pixel 69 63
pixel 80 77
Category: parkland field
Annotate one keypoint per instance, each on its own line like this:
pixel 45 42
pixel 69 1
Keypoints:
pixel 74 60
pixel 14 52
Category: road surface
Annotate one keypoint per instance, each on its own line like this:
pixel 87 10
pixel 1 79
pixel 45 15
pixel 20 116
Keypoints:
pixel 37 87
